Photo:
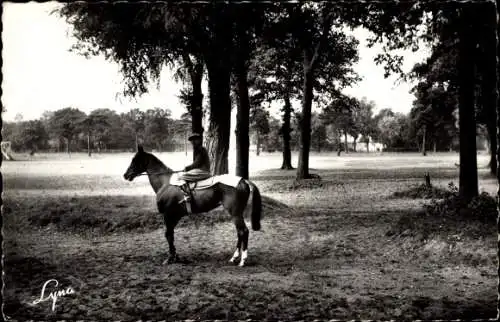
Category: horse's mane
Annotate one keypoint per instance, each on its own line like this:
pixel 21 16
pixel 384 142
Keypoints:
pixel 155 162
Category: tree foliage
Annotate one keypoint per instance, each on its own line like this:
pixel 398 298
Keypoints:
pixel 27 135
pixel 67 123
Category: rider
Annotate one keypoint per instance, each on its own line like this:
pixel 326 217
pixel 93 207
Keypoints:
pixel 200 168
pixel 201 161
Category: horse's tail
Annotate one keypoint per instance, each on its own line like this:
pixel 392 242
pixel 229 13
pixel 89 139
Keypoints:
pixel 256 206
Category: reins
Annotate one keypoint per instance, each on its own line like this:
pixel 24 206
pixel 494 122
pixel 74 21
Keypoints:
pixel 154 173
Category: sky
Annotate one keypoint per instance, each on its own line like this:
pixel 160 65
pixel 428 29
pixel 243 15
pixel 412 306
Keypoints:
pixel 40 74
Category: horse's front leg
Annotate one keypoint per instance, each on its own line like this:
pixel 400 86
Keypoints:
pixel 169 235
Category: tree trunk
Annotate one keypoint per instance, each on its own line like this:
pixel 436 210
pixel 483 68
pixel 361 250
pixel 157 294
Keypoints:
pixel 488 81
pixel 88 144
pixel 305 123
pixel 428 180
pixel 1 159
pixel 310 60
pixel 186 143
pixel 339 143
pixel 468 185
pixel 220 115
pixel 68 141
pixel 257 151
pixel 424 152
pixel 136 141
pixel 345 142
pixel 354 145
pixel 195 70
pixel 367 145
pixel 197 100
pixel 498 103
pixel 217 54
pixel 285 133
pixel 434 146
pixel 242 121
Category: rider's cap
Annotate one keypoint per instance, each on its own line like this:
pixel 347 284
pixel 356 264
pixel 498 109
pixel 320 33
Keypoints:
pixel 194 136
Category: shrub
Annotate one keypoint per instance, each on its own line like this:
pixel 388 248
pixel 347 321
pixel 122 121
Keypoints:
pixel 422 191
pixel 483 207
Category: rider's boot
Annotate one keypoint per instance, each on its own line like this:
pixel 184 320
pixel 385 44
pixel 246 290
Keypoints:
pixel 187 195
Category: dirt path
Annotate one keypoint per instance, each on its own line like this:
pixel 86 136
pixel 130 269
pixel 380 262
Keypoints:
pixel 304 266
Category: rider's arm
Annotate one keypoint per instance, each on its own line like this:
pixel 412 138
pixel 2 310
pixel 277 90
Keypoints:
pixel 197 162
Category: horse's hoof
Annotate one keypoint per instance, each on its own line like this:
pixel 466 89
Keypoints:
pixel 171 260
pixel 241 264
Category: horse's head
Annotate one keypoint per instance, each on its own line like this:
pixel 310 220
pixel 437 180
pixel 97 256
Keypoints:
pixel 138 165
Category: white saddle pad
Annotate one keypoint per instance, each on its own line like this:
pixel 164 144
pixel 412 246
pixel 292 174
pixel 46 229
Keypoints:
pixel 227 179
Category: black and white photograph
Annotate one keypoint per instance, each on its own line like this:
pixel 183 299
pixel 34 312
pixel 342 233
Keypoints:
pixel 247 160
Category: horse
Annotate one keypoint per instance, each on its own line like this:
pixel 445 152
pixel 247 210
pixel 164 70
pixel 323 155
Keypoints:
pixel 170 200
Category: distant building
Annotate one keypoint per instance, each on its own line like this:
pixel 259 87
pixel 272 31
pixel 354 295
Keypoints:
pixel 361 145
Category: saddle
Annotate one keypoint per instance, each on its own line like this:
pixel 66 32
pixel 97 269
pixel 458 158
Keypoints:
pixel 188 181
pixel 198 180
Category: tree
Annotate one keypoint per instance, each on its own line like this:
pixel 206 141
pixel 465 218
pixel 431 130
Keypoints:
pixel 448 25
pixel 365 122
pixel 276 70
pixel 108 130
pixel 142 38
pixel 212 27
pixel 312 28
pixel 468 185
pixel 135 121
pixel 157 127
pixel 486 53
pixel 272 138
pixel 248 22
pixel 180 129
pixel 8 131
pixel 432 114
pixel 305 31
pixel 260 125
pixel 67 123
pixel 391 130
pixel 340 114
pixel 333 137
pixel 318 132
pixel 92 123
pixel 29 135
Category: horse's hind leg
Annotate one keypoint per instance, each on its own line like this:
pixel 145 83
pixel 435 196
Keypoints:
pixel 242 245
pixel 237 252
pixel 235 201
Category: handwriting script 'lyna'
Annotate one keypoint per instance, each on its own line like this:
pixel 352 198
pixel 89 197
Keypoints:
pixel 53 295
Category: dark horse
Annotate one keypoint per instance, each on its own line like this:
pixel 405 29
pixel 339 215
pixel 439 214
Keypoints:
pixel 170 201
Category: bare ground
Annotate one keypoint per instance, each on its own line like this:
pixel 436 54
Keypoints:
pixel 335 248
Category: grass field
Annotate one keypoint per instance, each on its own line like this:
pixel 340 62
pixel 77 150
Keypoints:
pixel 340 248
